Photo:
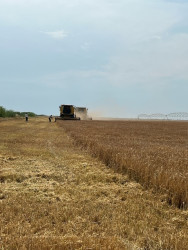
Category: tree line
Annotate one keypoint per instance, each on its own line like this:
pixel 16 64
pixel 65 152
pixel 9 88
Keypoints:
pixel 11 113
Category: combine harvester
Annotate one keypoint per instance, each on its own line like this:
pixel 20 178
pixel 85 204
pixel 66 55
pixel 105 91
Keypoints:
pixel 70 112
pixel 82 112
pixel 67 112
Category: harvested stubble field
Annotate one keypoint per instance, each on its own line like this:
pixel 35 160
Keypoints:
pixel 54 195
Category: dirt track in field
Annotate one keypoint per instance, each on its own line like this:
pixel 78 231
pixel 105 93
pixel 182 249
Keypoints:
pixel 54 196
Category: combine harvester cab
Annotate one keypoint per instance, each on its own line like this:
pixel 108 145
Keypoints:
pixel 67 112
pixel 82 112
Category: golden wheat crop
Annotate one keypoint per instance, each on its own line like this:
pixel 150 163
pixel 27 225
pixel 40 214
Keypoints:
pixel 55 196
pixel 153 153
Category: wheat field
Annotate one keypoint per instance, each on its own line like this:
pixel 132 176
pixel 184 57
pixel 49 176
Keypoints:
pixel 154 153
pixel 55 195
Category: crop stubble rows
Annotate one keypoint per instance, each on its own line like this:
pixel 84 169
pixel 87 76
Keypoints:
pixel 153 153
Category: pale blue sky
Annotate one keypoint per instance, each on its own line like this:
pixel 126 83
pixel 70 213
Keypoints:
pixel 117 57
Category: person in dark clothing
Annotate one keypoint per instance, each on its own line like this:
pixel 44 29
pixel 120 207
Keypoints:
pixel 50 118
pixel 26 117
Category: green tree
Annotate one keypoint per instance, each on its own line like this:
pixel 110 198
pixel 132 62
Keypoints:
pixel 2 111
pixel 10 113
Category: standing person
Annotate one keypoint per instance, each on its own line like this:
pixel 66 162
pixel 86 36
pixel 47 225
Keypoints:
pixel 50 118
pixel 26 117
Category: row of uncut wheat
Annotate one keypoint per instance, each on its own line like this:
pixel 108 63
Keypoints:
pixel 152 153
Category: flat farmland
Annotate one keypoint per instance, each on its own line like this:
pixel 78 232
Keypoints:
pixel 154 153
pixel 55 195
